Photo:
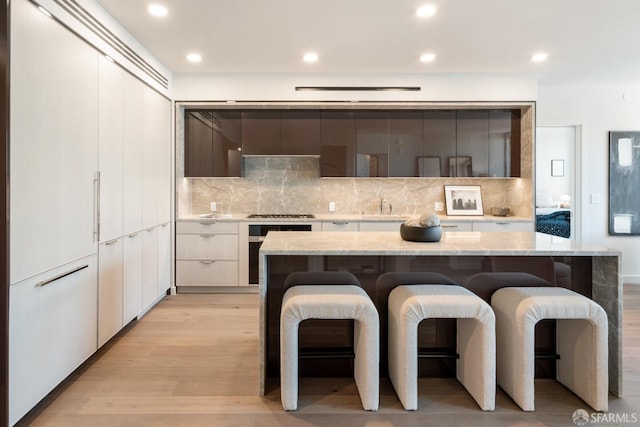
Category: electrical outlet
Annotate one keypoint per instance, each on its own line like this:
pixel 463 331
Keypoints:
pixel 213 206
pixel 332 206
pixel 439 207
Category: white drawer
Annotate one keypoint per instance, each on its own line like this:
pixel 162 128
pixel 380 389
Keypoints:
pixel 207 273
pixel 203 226
pixel 207 246
pixel 339 225
pixel 456 226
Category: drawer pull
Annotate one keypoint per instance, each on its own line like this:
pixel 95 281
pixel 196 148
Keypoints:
pixel 207 223
pixel 208 235
pixel 502 223
pixel 111 242
pixel 340 222
pixel 132 235
pixel 449 226
pixel 60 276
pixel 207 261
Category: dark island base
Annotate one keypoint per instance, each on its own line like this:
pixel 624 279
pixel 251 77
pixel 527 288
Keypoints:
pixel 336 336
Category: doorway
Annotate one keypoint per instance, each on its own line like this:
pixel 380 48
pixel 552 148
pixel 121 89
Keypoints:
pixel 557 179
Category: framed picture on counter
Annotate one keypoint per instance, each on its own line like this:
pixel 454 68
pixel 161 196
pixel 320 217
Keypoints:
pixel 463 199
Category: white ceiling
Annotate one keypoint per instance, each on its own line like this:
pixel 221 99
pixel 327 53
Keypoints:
pixel 588 41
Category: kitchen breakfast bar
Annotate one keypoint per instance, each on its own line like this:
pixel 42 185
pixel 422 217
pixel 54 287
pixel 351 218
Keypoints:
pixel 589 270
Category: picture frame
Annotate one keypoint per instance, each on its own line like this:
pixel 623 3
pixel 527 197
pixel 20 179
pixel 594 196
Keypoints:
pixel 557 167
pixel 463 199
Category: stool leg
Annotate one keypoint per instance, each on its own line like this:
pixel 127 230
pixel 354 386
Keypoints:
pixel 289 363
pixel 515 358
pixel 367 360
pixel 476 368
pixel 403 359
pixel 582 368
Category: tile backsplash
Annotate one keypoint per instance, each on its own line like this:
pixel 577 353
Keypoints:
pixel 278 184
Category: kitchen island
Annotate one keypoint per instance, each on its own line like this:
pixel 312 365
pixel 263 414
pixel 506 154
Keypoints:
pixel 594 272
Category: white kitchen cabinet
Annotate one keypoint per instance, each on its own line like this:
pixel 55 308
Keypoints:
pixel 110 148
pixel 149 266
pixel 207 253
pixel 53 152
pixel 340 225
pixel 51 332
pixel 380 225
pixel 456 226
pixel 132 277
pixel 156 154
pixel 132 155
pixel 502 226
pixel 110 289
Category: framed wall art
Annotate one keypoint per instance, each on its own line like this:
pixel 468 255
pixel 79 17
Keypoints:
pixel 463 199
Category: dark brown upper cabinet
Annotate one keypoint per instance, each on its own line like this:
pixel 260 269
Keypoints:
pixel 377 142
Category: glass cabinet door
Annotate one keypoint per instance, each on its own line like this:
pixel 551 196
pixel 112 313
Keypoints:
pixel 406 146
pixel 439 129
pixel 337 143
pixel 372 147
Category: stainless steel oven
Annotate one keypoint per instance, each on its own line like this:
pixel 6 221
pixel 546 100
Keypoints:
pixel 257 233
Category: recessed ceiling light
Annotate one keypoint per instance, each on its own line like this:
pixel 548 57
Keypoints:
pixel 426 10
pixel 194 57
pixel 427 57
pixel 310 57
pixel 157 10
pixel 539 57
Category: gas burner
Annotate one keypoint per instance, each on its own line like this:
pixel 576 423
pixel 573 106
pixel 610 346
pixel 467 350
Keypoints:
pixel 281 216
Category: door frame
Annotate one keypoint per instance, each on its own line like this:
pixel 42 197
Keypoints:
pixel 575 176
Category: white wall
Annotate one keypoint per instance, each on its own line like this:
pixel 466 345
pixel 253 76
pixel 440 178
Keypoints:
pixel 599 109
pixel 281 87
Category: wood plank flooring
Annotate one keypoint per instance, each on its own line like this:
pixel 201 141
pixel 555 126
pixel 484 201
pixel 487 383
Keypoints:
pixel 193 361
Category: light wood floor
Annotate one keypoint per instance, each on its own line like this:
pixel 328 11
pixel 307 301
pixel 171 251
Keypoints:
pixel 192 361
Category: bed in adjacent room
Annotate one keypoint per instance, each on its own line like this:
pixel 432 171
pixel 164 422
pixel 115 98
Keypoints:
pixel 554 221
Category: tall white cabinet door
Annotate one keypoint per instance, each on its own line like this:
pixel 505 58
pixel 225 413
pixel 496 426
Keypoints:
pixel 132 277
pixel 110 289
pixel 149 266
pixel 53 143
pixel 164 258
pixel 52 331
pixel 150 156
pixel 132 154
pixel 110 148
pixel 165 164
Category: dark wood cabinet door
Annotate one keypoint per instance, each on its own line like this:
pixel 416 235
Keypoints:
pixel 300 132
pixel 337 143
pixel 372 144
pixel 261 133
pixel 405 142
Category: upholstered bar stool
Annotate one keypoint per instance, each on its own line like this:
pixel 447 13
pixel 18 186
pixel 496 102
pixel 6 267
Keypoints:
pixel 329 295
pixel 581 342
pixel 475 369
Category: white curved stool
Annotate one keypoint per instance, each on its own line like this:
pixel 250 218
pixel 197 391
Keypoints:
pixel 409 305
pixel 581 343
pixel 303 302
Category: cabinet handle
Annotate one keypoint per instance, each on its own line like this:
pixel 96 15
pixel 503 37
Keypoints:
pixel 132 235
pixel 207 261
pixel 151 228
pixel 208 235
pixel 449 226
pixel 502 223
pixel 165 224
pixel 96 206
pixel 60 276
pixel 207 223
pixel 340 222
pixel 111 242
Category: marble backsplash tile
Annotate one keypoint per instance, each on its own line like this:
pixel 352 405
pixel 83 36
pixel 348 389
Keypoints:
pixel 293 185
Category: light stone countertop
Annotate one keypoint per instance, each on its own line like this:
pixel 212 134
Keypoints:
pixel 351 217
pixel 452 243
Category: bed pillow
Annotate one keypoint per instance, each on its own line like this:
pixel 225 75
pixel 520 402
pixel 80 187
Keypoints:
pixel 544 200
